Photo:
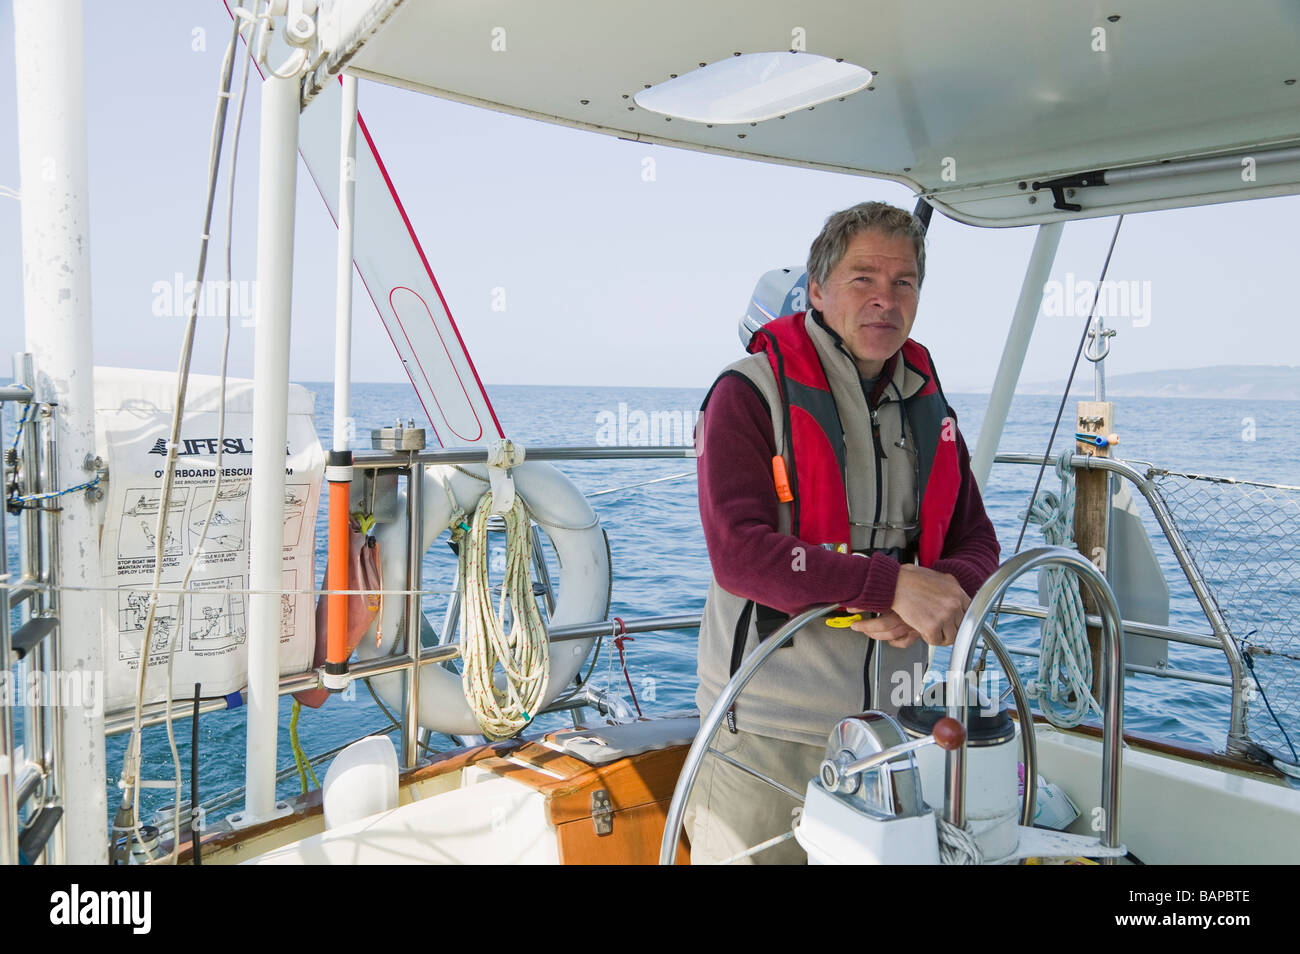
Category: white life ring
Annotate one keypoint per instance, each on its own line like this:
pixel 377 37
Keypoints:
pixel 561 510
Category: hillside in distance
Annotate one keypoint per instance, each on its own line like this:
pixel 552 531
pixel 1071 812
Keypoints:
pixel 1224 381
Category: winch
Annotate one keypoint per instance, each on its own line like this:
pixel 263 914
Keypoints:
pixel 869 804
pixel 879 795
pixel 866 805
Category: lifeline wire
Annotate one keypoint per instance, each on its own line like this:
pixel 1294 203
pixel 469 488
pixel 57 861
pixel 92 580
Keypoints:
pixel 643 483
pixel 236 591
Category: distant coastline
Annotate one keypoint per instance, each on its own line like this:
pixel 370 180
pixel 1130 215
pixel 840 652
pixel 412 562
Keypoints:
pixel 1222 382
pixel 1216 382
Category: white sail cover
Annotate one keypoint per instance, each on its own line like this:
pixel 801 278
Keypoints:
pixel 399 280
pixel 396 275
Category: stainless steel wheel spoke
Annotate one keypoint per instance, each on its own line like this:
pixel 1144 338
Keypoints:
pixel 758 775
pixel 761 846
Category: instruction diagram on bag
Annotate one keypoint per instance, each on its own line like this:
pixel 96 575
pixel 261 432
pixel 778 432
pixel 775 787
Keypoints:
pixel 133 616
pixel 215 612
pixel 295 505
pixel 138 532
pixel 227 530
pixel 288 619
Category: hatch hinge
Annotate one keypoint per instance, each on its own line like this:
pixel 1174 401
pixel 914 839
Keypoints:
pixel 602 812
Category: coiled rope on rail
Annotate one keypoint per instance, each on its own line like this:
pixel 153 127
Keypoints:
pixel 524 653
pixel 1064 683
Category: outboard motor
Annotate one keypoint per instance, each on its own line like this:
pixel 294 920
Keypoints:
pixel 782 291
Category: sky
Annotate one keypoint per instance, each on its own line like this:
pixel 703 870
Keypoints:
pixel 606 278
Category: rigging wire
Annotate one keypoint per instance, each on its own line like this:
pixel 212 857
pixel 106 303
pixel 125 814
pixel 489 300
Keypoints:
pixel 221 420
pixel 132 757
pixel 195 846
pixel 1069 383
pixel 1060 411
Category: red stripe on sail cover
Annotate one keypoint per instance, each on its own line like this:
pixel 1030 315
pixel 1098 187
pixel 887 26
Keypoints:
pixel 389 258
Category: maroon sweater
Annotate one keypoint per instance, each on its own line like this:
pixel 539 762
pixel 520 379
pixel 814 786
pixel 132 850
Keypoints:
pixel 738 507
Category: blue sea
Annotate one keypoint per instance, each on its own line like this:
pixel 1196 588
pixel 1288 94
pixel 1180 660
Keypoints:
pixel 661 566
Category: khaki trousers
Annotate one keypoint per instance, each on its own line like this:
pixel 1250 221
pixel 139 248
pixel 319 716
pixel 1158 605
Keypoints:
pixel 729 810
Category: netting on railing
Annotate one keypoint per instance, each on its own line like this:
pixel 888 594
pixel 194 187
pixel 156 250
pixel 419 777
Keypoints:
pixel 1243 537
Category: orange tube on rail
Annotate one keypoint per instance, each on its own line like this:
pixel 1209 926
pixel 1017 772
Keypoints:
pixel 336 577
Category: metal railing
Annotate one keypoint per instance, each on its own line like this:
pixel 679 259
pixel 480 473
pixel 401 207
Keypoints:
pixel 414 656
pixel 155 713
pixel 1111 682
pixel 1220 638
pixel 406 661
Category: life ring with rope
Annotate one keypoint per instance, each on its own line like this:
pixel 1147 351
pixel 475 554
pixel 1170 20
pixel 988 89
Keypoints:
pixel 559 508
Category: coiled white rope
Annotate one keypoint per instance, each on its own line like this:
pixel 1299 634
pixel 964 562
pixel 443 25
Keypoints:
pixel 1064 683
pixel 524 654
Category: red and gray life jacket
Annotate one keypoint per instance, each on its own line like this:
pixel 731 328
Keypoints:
pixel 815 448
pixel 814 456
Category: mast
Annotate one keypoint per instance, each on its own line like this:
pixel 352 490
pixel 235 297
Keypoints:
pixel 56 299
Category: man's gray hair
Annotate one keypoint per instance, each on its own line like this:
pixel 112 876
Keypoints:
pixel 829 247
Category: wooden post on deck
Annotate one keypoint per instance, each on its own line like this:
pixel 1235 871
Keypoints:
pixel 1092 509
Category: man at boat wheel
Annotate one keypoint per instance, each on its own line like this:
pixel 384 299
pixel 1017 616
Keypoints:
pixel 831 469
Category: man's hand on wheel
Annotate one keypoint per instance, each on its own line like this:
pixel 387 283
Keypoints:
pixel 887 627
pixel 926 604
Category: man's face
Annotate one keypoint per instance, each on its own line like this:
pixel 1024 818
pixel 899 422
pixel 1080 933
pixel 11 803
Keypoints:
pixel 869 298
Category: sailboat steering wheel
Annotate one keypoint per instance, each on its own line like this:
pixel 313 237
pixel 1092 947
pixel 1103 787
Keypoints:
pixel 709 725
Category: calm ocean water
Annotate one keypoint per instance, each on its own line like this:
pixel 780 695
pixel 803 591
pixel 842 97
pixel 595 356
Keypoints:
pixel 661 566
